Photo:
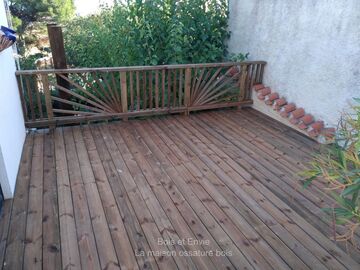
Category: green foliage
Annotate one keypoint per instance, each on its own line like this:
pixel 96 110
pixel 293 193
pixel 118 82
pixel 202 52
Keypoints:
pixel 149 33
pixel 238 57
pixel 340 167
pixel 25 12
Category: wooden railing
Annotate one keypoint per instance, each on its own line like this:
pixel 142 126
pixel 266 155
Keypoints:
pixel 58 97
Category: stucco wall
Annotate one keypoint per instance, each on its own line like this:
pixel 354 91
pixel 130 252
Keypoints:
pixel 12 130
pixel 312 48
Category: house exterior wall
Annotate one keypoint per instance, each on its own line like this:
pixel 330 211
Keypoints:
pixel 312 48
pixel 12 130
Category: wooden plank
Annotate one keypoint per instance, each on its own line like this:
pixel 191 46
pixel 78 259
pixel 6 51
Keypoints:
pixel 199 170
pixel 38 98
pixel 104 243
pixel 124 98
pixel 228 187
pixel 156 89
pixel 174 87
pixel 181 183
pixel 144 90
pixel 47 94
pixel 30 97
pixel 68 237
pixel 51 227
pixel 242 83
pixel 56 41
pixel 85 235
pixel 163 77
pixel 14 255
pixel 137 90
pixel 124 243
pixel 141 210
pixel 295 194
pixel 312 245
pixel 169 82
pixel 187 87
pixel 296 199
pixel 131 91
pixel 181 75
pixel 137 68
pixel 33 236
pixel 155 178
pixel 4 228
pixel 133 225
pixel 150 90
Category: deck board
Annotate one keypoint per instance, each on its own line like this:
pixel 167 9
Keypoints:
pixel 125 195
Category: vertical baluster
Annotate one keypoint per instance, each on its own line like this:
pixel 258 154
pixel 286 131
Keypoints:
pixel 252 81
pixel 257 77
pixel 187 89
pixel 144 91
pixel 22 98
pixel 47 94
pixel 150 90
pixel 156 89
pixel 29 92
pixel 169 88
pixel 180 87
pixel 261 72
pixel 138 90
pixel 131 91
pixel 38 97
pixel 124 101
pixel 243 82
pixel 174 87
pixel 163 88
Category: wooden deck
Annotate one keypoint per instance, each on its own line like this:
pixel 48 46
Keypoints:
pixel 216 190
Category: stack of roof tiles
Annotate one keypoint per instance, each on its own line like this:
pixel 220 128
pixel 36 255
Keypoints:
pixel 296 116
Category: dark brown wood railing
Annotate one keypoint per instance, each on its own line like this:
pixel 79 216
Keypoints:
pixel 58 97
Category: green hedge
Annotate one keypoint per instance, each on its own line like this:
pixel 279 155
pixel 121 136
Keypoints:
pixel 149 33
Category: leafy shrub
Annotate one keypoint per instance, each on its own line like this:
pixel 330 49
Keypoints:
pixel 149 33
pixel 340 167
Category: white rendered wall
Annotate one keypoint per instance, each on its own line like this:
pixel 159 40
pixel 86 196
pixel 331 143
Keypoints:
pixel 12 130
pixel 312 48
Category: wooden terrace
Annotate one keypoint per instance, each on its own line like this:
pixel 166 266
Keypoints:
pixel 221 186
pixel 199 190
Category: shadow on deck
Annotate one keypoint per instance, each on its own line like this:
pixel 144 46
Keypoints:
pixel 216 190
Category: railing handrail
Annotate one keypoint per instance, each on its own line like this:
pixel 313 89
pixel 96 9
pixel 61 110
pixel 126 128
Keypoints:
pixel 136 68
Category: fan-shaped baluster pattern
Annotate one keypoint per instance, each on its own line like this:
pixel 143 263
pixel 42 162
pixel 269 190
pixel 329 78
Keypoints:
pixel 90 93
pixel 214 85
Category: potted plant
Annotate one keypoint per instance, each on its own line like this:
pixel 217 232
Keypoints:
pixel 7 38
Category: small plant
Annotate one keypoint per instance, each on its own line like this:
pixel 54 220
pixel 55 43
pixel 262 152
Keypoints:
pixel 240 57
pixel 339 166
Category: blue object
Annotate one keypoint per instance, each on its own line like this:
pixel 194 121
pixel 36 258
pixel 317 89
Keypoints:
pixel 9 33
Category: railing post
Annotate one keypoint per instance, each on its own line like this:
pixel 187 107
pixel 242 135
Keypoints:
pixel 187 89
pixel 124 101
pixel 56 40
pixel 48 102
pixel 242 86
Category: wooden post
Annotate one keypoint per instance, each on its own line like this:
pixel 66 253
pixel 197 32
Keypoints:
pixel 187 89
pixel 242 86
pixel 124 101
pixel 59 59
pixel 48 102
